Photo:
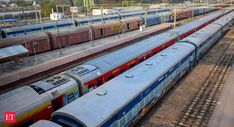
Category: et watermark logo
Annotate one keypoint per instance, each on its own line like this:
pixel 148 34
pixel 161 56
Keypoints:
pixel 9 117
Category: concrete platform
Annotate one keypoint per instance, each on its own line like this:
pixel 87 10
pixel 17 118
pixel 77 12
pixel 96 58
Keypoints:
pixel 223 115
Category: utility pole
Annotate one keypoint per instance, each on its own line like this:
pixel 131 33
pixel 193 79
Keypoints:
pixel 56 8
pixel 145 17
pixel 60 46
pixel 73 21
pixel 146 13
pixel 35 8
pixel 102 14
pixel 41 21
pixel 174 18
pixel 35 51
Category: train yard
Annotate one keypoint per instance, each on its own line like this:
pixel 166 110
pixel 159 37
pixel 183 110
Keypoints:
pixel 27 77
pixel 166 76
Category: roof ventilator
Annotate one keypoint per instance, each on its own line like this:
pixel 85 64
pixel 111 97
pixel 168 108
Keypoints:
pixel 149 64
pixel 129 76
pixel 101 93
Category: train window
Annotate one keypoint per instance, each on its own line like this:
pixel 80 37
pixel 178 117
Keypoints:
pixel 146 99
pixel 101 32
pixel 99 83
pixel 115 124
pixel 134 110
pixel 129 116
pixel 151 94
pixel 122 71
pixel 166 81
pixel 132 65
pixel 160 87
pixel 3 34
pixel 70 97
pixel 68 123
pixel 122 121
pixel 141 60
pixel 38 89
pixel 111 77
pixel 91 87
pixel 128 26
pixel 155 91
pixel 141 104
pixel 170 78
pixel 76 23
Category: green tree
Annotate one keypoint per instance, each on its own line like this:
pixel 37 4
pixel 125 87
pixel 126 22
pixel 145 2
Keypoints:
pixel 78 2
pixel 22 3
pixel 47 6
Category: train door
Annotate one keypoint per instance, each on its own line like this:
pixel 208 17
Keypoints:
pixel 71 95
pixel 128 26
pixel 101 33
pixel 99 82
pixel 2 34
pixel 58 102
pixel 138 24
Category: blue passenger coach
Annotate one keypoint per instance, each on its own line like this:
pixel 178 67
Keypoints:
pixel 138 87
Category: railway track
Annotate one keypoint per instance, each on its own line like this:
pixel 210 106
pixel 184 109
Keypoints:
pixel 201 107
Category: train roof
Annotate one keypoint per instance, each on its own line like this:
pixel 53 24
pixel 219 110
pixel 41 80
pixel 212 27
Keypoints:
pixel 217 13
pixel 131 19
pixel 200 36
pixel 44 123
pixel 22 39
pixel 164 13
pixel 83 72
pixel 55 85
pixel 112 60
pixel 33 26
pixel 132 13
pixel 71 30
pixel 106 24
pixel 20 100
pixel 189 26
pixel 106 100
pixel 195 23
pixel 182 10
pixel 224 20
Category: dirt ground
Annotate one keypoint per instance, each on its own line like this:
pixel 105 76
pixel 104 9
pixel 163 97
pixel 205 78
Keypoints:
pixel 171 106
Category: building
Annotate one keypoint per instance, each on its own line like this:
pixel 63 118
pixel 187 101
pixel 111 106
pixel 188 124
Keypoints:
pixel 56 16
pixel 99 11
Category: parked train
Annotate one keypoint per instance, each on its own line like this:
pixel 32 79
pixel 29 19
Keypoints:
pixel 123 100
pixel 47 26
pixel 47 41
pixel 183 13
pixel 40 99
